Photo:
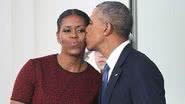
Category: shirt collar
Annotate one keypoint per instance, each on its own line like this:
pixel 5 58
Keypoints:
pixel 113 57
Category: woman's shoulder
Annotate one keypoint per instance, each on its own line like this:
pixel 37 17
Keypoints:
pixel 45 62
pixel 45 58
pixel 34 63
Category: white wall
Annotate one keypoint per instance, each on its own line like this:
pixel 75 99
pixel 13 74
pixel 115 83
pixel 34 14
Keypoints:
pixel 45 27
pixel 161 36
pixel 23 33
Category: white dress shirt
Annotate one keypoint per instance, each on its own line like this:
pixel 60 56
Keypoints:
pixel 113 57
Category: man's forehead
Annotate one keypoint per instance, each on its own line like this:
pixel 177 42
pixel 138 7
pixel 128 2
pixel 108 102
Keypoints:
pixel 94 13
pixel 95 10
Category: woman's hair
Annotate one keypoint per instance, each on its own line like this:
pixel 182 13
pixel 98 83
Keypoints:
pixel 70 12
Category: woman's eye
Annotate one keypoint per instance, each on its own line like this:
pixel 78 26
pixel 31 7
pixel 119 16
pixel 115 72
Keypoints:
pixel 81 30
pixel 66 30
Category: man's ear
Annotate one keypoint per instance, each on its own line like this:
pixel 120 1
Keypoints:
pixel 108 29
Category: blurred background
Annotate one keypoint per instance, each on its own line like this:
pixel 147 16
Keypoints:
pixel 28 30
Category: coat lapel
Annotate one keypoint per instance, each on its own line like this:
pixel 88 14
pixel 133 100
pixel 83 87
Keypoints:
pixel 116 72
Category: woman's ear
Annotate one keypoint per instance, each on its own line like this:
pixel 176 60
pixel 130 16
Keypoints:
pixel 108 29
pixel 58 37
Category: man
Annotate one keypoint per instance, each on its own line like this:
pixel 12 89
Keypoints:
pixel 132 77
pixel 100 60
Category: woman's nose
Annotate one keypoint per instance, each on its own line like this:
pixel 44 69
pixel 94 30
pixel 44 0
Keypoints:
pixel 74 34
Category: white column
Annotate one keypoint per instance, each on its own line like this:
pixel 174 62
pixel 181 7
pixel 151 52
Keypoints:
pixel 23 32
pixel 5 51
pixel 161 36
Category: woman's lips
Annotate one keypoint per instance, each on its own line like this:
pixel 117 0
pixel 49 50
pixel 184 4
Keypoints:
pixel 74 44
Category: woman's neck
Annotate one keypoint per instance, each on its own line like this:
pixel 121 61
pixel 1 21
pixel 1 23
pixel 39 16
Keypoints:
pixel 71 63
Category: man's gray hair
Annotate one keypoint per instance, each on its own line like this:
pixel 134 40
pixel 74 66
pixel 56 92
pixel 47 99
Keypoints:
pixel 118 15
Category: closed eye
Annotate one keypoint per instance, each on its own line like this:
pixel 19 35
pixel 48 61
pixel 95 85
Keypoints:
pixel 66 30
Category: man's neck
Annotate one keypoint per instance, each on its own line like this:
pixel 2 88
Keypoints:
pixel 110 45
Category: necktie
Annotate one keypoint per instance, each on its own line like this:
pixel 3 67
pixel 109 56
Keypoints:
pixel 104 81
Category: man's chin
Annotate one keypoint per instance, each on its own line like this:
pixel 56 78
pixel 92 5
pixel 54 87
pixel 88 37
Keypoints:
pixel 89 49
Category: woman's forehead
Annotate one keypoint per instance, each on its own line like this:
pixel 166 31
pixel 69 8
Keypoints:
pixel 73 26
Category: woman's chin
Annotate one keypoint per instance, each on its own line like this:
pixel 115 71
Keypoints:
pixel 76 53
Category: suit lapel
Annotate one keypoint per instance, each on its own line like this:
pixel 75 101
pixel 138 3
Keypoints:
pixel 116 72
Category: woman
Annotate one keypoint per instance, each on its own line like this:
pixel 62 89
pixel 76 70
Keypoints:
pixel 63 78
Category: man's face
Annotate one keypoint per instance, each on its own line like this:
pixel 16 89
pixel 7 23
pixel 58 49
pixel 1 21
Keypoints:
pixel 95 29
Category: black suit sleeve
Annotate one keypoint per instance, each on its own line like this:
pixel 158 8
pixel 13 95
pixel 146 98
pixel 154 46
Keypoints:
pixel 147 84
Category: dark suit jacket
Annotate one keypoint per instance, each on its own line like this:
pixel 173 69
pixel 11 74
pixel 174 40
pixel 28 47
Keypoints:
pixel 135 80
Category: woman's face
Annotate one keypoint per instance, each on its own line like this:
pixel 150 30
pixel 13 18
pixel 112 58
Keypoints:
pixel 72 35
